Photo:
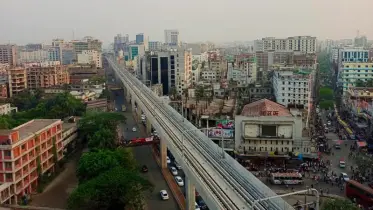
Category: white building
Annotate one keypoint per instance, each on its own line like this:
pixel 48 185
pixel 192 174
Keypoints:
pixel 171 37
pixel 6 109
pixel 33 56
pixel 42 64
pixel 243 76
pixel 203 57
pixel 154 45
pixel 267 127
pixel 90 57
pixel 304 44
pixel 292 85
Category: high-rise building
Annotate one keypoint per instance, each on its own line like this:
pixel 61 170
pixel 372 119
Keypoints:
pixel 155 46
pixel 33 56
pixel 140 38
pixel 121 43
pixel 8 54
pixel 171 37
pixel 55 54
pixel 33 47
pixel 304 44
pixel 136 50
pixel 87 44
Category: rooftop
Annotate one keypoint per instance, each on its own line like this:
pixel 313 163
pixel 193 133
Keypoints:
pixel 265 107
pixel 33 126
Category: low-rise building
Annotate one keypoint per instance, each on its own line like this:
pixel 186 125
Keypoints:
pixel 7 109
pixel 69 134
pixel 22 151
pixel 268 127
pixel 78 73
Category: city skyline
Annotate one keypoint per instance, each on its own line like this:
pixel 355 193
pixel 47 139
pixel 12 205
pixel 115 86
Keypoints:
pixel 280 19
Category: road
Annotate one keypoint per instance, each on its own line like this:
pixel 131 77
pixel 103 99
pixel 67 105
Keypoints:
pixel 143 155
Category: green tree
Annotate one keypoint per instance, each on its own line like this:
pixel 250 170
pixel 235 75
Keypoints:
pixel 96 80
pixel 326 93
pixel 25 100
pixel 173 93
pixel 199 93
pixel 91 164
pixel 114 189
pixel 339 204
pixel 326 104
pixel 104 138
pixel 363 162
pixel 94 121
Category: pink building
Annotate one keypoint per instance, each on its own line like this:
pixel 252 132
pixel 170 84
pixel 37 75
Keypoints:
pixel 22 149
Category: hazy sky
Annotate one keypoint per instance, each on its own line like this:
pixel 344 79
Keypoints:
pixel 24 21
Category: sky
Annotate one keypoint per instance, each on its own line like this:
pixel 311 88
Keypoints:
pixel 35 21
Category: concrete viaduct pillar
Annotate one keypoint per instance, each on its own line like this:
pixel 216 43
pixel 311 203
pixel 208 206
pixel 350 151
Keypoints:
pixel 163 153
pixel 148 126
pixel 190 195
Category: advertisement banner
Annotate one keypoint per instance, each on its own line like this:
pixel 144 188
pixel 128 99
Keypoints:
pixel 218 133
pixel 225 124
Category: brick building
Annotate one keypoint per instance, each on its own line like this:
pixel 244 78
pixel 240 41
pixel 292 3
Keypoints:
pixel 47 76
pixel 22 149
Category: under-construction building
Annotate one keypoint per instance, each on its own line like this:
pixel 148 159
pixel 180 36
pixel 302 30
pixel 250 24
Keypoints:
pixel 47 76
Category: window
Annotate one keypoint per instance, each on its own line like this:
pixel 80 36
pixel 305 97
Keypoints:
pixel 269 130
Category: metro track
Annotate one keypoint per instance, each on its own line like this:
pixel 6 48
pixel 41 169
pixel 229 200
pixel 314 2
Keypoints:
pixel 195 141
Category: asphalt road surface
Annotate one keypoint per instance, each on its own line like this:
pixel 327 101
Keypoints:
pixel 143 155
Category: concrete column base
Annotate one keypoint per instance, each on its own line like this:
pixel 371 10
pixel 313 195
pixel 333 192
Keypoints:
pixel 190 195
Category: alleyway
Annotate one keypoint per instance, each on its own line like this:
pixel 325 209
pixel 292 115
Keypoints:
pixel 56 193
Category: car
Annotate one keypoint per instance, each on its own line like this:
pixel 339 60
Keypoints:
pixel 179 181
pixel 329 123
pixel 344 176
pixel 196 206
pixel 164 195
pixel 144 168
pixel 173 171
pixel 202 204
pixel 177 165
pixel 342 164
pixel 134 129
pixel 337 145
pixel 168 160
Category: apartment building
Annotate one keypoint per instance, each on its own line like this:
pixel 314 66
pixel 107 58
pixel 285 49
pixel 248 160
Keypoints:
pixel 33 56
pixel 42 76
pixel 187 71
pixel 242 76
pixel 305 60
pixel 3 82
pixel 24 149
pixel 155 46
pixel 292 85
pixel 171 37
pixel 88 44
pixel 90 57
pixel 8 54
pixel 79 73
pixel 54 54
pixel 304 44
pixel 17 80
pixel 350 73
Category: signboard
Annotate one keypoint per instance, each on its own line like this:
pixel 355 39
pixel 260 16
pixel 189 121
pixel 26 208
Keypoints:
pixel 268 113
pixel 225 124
pixel 218 133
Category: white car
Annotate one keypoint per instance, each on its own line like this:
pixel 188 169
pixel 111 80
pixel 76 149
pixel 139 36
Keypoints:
pixel 179 181
pixel 197 207
pixel 134 129
pixel 173 171
pixel 177 165
pixel 329 123
pixel 345 177
pixel 164 195
pixel 168 160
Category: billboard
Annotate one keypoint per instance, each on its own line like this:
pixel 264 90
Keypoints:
pixel 225 124
pixel 218 133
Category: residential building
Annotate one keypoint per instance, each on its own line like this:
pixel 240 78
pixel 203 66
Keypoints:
pixel 87 44
pixel 370 55
pixel 69 134
pixel 8 54
pixel 121 43
pixel 171 37
pixel 187 80
pixel 17 80
pixel 350 73
pixel 304 44
pixel 292 85
pixel 34 47
pixel 155 46
pixel 26 148
pixel 305 60
pixel 67 53
pixel 136 50
pixel 6 109
pixel 39 76
pixel 33 56
pixel 80 73
pixel 58 42
pixel 3 91
pixel 361 41
pixel 242 76
pixel 262 60
pixel 353 54
pixel 266 128
pixel 140 38
pixel 90 57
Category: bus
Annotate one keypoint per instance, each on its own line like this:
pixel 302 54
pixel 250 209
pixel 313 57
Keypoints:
pixel 286 178
pixel 359 193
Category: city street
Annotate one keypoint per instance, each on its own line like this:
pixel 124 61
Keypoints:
pixel 143 155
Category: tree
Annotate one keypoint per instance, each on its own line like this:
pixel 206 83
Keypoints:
pixel 104 138
pixel 326 104
pixel 113 189
pixel 173 93
pixel 92 164
pixel 200 93
pixel 339 204
pixel 96 80
pixel 363 162
pixel 326 93
pixel 94 121
pixel 25 100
